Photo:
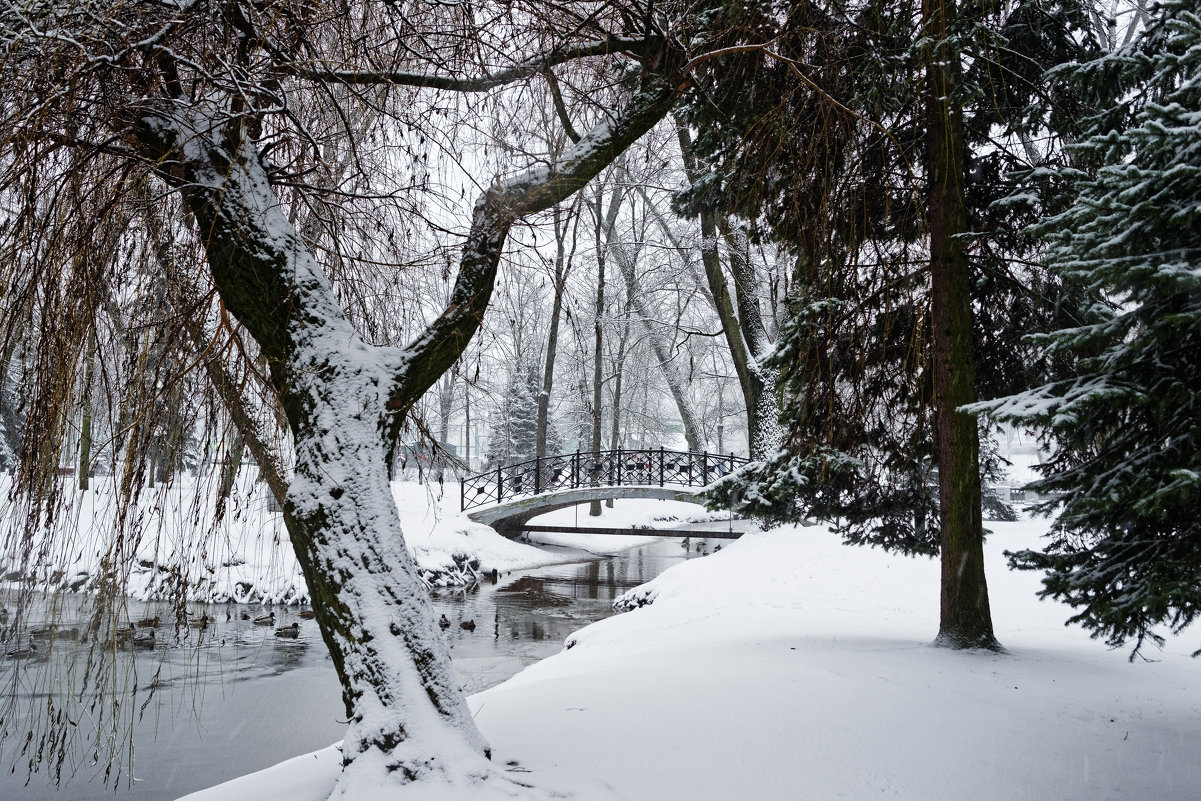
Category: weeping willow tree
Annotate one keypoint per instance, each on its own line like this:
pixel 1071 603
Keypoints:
pixel 216 192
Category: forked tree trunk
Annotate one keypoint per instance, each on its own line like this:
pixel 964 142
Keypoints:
pixel 741 322
pixel 345 401
pixel 965 619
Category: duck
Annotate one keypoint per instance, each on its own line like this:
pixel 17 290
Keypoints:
pixel 265 620
pixel 467 625
pixel 716 548
pixel 443 623
pixel 288 631
pixel 306 614
pixel 149 622
pixel 21 653
pixel 143 639
pixel 201 622
pixel 42 632
pixel 245 616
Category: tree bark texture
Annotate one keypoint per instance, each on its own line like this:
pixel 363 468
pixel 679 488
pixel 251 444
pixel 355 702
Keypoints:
pixel 965 619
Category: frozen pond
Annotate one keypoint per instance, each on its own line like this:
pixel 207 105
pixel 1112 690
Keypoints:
pixel 245 699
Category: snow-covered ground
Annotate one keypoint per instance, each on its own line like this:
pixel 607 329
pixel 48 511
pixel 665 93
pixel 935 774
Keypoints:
pixel 789 666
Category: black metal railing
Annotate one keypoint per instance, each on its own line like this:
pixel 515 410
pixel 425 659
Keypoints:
pixel 619 468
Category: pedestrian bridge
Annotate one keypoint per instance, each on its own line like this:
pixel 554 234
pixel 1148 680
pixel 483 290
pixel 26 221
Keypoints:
pixel 507 497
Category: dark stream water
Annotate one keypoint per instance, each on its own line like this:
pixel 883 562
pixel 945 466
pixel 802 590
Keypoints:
pixel 244 699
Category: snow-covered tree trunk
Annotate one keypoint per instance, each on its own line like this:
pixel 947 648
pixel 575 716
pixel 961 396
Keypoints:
pixel 764 425
pixel 344 401
pixel 399 689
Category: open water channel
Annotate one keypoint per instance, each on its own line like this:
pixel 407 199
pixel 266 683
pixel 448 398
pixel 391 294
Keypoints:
pixel 244 699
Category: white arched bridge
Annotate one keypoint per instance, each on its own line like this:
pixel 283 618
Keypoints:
pixel 507 497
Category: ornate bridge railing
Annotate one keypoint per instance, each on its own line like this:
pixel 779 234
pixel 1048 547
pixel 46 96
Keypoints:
pixel 619 468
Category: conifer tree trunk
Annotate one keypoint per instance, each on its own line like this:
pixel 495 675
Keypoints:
pixel 235 443
pixel 965 618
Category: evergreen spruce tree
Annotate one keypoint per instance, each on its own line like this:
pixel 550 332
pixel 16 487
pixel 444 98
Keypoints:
pixel 832 163
pixel 514 438
pixel 1126 548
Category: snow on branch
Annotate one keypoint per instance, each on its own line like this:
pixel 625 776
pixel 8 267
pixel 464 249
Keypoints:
pixel 440 344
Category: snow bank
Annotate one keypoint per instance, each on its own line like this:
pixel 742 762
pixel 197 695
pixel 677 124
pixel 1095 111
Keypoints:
pixel 246 557
pixel 790 666
pixel 450 548
pixel 625 513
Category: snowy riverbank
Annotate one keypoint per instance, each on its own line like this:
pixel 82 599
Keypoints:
pixel 789 666
pixel 246 556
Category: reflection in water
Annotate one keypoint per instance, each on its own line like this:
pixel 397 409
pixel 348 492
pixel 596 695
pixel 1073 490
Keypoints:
pixel 224 697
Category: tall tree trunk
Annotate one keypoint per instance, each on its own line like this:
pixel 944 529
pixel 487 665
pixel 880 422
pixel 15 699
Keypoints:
pixel 615 418
pixel 445 404
pixel 965 620
pixel 562 267
pixel 467 425
pixel 598 343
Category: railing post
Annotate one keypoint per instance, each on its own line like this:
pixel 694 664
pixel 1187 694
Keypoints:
pixel 500 485
pixel 537 475
pixel 575 470
pixel 731 461
pixel 617 460
pixel 463 494
pixel 661 460
pixel 705 469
